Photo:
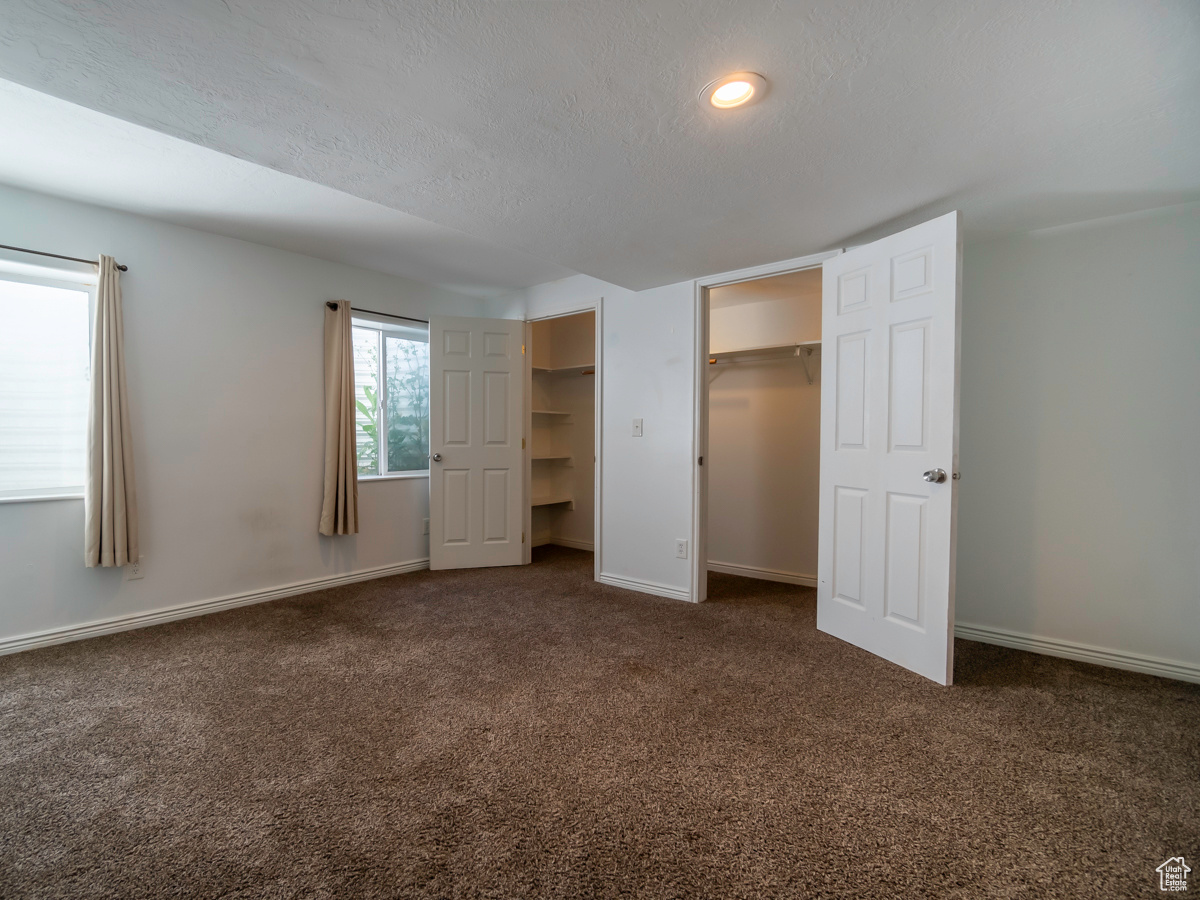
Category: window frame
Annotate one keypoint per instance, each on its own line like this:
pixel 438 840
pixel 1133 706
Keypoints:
pixel 386 326
pixel 84 283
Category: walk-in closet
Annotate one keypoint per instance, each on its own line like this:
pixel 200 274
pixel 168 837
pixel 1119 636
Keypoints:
pixel 562 427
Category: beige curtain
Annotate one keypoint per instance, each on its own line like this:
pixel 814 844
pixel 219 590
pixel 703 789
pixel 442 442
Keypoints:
pixel 339 512
pixel 110 494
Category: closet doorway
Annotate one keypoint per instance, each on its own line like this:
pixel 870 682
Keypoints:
pixel 758 424
pixel 887 438
pixel 564 427
pixel 764 424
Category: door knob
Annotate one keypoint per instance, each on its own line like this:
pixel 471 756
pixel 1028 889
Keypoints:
pixel 437 457
pixel 935 476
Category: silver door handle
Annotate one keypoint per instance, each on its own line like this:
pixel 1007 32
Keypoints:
pixel 935 476
pixel 437 457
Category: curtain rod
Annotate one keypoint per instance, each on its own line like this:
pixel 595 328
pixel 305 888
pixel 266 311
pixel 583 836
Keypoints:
pixel 57 256
pixel 332 305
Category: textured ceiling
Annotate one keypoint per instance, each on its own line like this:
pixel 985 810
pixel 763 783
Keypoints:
pixel 571 131
pixel 73 152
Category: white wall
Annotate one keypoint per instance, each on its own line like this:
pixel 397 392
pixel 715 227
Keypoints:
pixel 766 312
pixel 765 323
pixel 764 459
pixel 224 355
pixel 648 372
pixel 1080 500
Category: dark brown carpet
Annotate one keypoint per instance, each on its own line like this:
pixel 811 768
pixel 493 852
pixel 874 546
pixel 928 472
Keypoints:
pixel 528 733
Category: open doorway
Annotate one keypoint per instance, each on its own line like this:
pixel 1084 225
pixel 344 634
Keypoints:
pixel 764 420
pixel 563 427
pixel 758 420
pixel 887 438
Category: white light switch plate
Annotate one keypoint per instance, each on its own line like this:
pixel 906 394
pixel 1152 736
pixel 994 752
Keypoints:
pixel 681 549
pixel 637 427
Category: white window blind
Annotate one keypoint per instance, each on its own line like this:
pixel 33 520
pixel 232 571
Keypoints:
pixel 44 362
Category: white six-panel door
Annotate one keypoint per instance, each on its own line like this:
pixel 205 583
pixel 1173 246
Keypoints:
pixel 476 466
pixel 889 416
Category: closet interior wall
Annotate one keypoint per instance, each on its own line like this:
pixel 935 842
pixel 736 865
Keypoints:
pixel 563 430
pixel 764 427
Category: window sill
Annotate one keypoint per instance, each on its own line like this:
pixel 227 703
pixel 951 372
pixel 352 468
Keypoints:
pixel 41 498
pixel 400 476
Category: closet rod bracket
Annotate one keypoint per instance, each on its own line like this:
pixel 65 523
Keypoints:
pixel 808 352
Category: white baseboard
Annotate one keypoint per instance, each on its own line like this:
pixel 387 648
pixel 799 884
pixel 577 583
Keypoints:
pixel 1101 656
pixel 200 608
pixel 574 545
pixel 763 574
pixel 646 587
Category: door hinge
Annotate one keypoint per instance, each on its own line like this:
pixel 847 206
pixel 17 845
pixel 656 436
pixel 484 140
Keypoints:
pixel 700 461
pixel 522 349
pixel 522 537
pixel 522 443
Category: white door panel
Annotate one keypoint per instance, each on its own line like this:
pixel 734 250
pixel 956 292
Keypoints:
pixel 476 470
pixel 889 414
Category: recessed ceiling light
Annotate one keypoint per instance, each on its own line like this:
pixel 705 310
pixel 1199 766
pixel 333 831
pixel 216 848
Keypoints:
pixel 738 89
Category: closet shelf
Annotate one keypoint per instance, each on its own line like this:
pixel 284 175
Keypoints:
pixel 802 351
pixel 550 412
pixel 793 349
pixel 589 369
pixel 553 500
pixel 551 458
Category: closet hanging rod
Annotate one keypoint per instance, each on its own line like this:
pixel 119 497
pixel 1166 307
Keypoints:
pixel 332 305
pixel 758 354
pixel 90 262
pixel 803 352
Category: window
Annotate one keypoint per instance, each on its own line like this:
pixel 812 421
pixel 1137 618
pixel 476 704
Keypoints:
pixel 391 388
pixel 44 363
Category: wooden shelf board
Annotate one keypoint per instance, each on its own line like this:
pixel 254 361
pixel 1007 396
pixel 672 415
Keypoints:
pixel 589 368
pixel 552 500
pixel 550 457
pixel 742 351
pixel 550 412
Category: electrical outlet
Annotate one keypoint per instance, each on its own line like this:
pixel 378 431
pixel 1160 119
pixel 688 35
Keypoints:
pixel 426 531
pixel 135 570
pixel 681 549
pixel 637 427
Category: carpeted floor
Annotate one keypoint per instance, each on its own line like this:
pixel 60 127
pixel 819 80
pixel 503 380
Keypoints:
pixel 528 733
